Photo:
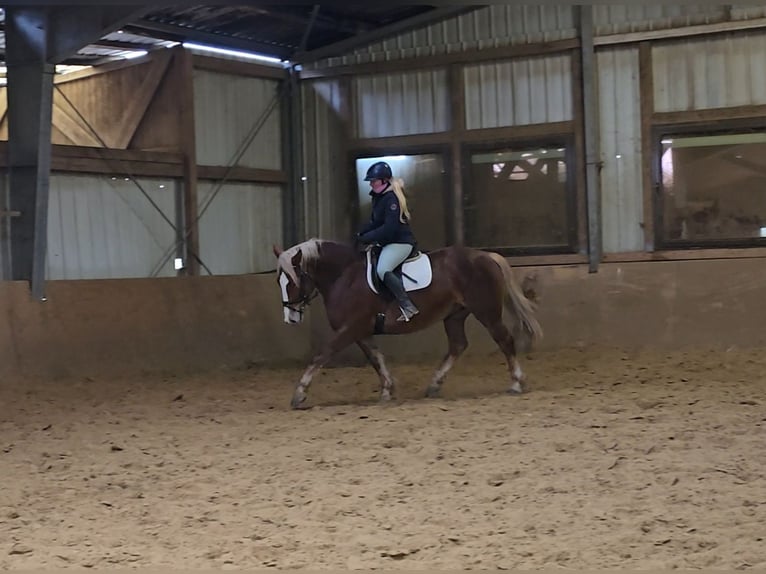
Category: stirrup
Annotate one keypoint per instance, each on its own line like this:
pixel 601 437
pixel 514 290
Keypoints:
pixel 405 316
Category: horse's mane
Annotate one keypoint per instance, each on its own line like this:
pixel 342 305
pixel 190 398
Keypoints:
pixel 309 250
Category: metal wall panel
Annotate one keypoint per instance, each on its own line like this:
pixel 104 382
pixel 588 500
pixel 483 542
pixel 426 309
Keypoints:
pixel 326 188
pixel 238 228
pixel 495 25
pixel 226 108
pixel 518 92
pixel 401 104
pixel 713 72
pixel 636 17
pixel 620 140
pixel 747 11
pixel 104 227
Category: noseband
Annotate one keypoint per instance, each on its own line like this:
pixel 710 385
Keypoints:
pixel 304 299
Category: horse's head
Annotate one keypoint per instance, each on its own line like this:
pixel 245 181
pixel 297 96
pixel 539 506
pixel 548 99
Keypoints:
pixel 298 288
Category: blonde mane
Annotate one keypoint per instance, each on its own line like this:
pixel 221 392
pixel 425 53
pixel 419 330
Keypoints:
pixel 310 252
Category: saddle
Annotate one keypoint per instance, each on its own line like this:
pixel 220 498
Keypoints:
pixel 415 271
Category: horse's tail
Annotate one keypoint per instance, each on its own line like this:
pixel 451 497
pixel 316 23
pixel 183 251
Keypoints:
pixel 516 302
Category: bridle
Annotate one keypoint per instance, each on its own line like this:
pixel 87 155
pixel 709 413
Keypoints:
pixel 304 299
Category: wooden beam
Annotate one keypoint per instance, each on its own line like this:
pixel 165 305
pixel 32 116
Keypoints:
pixel 439 60
pixel 102 154
pixel 116 168
pixel 73 127
pixel 238 68
pixel 710 116
pixel 646 93
pixel 397 142
pixel 687 254
pixel 680 33
pixel 517 133
pixel 240 173
pixel 141 163
pixel 119 134
pixel 534 260
pixel 484 135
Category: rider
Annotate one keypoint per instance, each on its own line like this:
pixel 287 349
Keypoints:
pixel 389 226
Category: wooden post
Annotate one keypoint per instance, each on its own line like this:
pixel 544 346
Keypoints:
pixel 184 63
pixel 457 127
pixel 646 94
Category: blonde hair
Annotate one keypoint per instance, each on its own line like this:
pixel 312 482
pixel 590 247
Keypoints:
pixel 397 184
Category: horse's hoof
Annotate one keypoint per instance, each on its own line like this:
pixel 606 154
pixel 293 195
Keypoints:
pixel 432 392
pixel 298 400
pixel 385 397
pixel 516 389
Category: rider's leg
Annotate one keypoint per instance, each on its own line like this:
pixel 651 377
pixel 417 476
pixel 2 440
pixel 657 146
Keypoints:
pixel 390 257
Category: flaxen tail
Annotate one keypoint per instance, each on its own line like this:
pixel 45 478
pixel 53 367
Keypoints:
pixel 516 302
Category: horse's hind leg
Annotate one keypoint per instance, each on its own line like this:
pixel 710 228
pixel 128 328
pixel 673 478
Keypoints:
pixel 375 357
pixel 454 325
pixel 502 336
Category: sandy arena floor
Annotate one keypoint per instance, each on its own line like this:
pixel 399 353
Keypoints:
pixel 641 460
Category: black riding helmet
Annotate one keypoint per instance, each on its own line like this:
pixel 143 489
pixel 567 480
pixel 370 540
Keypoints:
pixel 378 170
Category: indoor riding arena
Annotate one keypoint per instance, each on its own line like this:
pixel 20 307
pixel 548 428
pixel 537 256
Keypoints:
pixel 613 155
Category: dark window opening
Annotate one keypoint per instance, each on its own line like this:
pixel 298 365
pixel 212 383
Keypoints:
pixel 520 199
pixel 712 189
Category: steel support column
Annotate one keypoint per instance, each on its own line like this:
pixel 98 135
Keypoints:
pixel 30 96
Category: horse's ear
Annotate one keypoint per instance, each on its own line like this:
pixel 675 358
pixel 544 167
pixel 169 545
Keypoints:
pixel 277 251
pixel 297 258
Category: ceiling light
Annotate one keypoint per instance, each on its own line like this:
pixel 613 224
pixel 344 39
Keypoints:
pixel 227 52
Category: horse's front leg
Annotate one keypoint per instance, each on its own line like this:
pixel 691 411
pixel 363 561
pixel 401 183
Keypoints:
pixel 375 357
pixel 341 339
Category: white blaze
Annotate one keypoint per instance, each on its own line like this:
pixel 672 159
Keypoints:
pixel 290 315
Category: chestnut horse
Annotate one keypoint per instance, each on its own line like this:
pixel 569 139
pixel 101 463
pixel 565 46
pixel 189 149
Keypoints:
pixel 460 281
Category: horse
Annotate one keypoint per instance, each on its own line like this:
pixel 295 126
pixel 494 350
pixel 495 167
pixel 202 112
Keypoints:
pixel 455 282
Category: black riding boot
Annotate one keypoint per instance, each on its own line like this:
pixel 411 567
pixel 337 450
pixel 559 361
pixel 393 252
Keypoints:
pixel 395 285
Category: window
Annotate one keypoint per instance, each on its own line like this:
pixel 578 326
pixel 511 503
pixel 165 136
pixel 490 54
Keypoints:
pixel 425 184
pixel 712 189
pixel 520 199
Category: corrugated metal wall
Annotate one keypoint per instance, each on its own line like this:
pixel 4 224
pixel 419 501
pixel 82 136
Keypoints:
pixel 710 72
pixel 496 25
pixel 104 227
pixel 326 188
pixel 226 107
pixel 620 140
pixel 238 228
pixel 401 104
pixel 747 11
pixel 636 17
pixel 518 92
pixel 243 220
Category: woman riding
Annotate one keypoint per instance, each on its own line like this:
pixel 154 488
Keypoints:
pixel 389 226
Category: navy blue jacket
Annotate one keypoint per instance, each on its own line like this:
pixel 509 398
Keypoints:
pixel 385 225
